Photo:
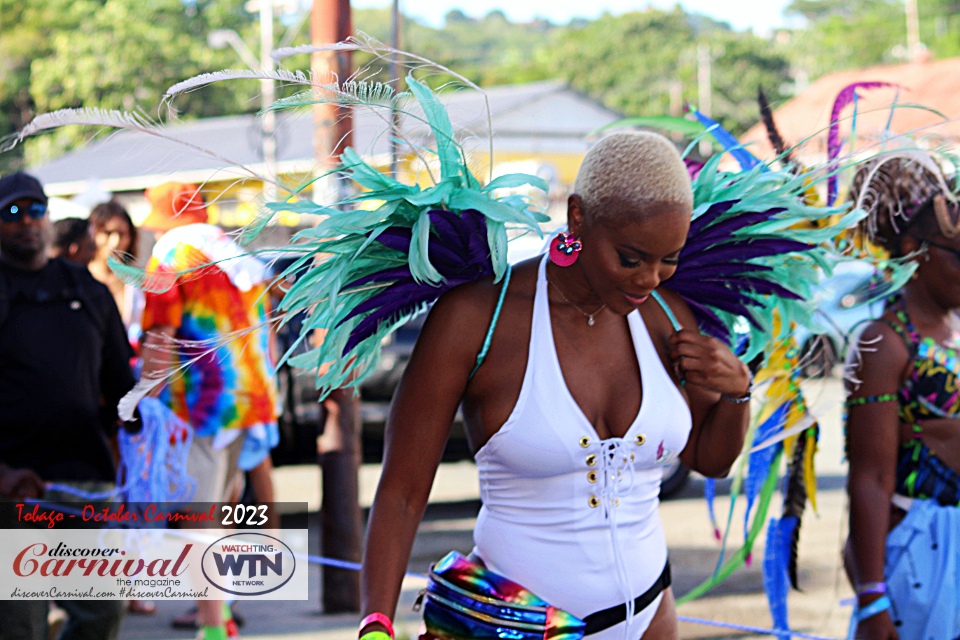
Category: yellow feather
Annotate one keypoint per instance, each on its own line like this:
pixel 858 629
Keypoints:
pixel 809 477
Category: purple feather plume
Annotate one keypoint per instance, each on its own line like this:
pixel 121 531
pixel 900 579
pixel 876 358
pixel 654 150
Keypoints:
pixel 457 250
pixel 845 97
pixel 715 272
pixel 693 167
pixel 726 139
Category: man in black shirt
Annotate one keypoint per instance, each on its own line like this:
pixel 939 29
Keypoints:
pixel 64 365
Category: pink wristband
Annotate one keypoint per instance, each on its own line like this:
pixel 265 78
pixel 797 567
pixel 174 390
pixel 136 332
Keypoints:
pixel 380 618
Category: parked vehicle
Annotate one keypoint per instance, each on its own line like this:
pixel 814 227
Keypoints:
pixel 394 355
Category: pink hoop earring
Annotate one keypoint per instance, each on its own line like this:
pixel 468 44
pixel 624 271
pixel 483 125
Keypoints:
pixel 565 249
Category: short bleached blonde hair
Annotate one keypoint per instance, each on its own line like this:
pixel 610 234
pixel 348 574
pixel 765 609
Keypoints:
pixel 630 171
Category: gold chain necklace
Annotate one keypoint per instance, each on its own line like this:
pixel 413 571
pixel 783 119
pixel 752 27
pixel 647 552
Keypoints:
pixel 588 316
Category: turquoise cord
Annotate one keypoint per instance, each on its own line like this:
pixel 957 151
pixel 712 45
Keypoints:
pixel 493 323
pixel 667 310
pixel 676 327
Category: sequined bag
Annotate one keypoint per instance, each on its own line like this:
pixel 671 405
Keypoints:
pixel 466 601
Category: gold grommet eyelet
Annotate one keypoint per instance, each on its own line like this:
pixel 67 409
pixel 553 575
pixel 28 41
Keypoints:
pixel 616 502
pixel 584 442
pixel 594 502
pixel 633 457
pixel 641 439
pixel 591 460
pixel 591 476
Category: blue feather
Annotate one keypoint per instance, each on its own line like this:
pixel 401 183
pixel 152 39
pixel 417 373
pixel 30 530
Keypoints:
pixel 775 580
pixel 759 462
pixel 710 494
pixel 728 142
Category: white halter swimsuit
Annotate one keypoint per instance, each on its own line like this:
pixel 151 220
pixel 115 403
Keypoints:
pixel 569 516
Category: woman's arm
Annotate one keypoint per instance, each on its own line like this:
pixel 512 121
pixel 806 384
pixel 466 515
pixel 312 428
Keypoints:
pixel 873 437
pixel 711 371
pixel 421 415
pixel 717 437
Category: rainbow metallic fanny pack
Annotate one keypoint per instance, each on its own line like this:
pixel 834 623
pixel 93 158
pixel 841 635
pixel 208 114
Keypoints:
pixel 466 601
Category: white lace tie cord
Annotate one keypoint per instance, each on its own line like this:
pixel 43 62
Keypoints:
pixel 616 479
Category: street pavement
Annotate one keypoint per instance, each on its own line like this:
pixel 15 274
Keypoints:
pixel 693 551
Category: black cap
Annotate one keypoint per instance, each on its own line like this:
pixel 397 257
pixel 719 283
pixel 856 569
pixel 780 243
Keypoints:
pixel 20 185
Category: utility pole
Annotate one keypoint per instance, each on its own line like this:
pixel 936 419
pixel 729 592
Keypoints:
pixel 338 449
pixel 913 31
pixel 676 97
pixel 268 123
pixel 395 83
pixel 221 38
pixel 704 95
pixel 330 23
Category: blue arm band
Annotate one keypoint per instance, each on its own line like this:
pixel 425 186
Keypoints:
pixel 877 606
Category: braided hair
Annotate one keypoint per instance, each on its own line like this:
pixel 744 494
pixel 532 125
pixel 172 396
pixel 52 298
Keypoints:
pixel 899 192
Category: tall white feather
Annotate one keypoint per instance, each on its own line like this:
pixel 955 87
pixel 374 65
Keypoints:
pixel 204 79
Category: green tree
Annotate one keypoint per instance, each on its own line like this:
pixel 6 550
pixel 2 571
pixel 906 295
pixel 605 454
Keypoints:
pixel 120 54
pixel 848 34
pixel 488 51
pixel 25 29
pixel 456 15
pixel 940 26
pixel 635 63
pixel 117 54
pixel 845 34
pixel 814 10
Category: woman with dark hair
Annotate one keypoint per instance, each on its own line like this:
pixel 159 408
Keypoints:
pixel 903 432
pixel 115 235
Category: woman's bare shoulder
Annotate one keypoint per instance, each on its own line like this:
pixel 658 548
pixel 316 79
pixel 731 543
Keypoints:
pixel 879 350
pixel 466 311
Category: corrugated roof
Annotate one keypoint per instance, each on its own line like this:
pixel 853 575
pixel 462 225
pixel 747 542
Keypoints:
pixel 538 117
pixel 935 85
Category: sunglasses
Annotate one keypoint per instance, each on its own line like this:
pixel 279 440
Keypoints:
pixel 14 212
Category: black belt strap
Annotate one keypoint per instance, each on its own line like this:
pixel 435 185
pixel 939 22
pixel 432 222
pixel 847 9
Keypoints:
pixel 600 620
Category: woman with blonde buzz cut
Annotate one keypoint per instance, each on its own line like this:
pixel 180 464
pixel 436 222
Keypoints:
pixel 594 376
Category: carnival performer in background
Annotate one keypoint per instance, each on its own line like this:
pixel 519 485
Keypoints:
pixel 903 425
pixel 208 328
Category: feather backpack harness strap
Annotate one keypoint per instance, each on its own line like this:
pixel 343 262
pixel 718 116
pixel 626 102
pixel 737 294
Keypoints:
pixel 667 310
pixel 493 323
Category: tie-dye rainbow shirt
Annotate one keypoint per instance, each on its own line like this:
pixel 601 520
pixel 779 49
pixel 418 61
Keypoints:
pixel 231 384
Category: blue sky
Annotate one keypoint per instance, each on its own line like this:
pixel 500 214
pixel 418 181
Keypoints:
pixel 760 15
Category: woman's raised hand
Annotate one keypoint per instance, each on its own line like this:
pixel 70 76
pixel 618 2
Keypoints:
pixel 705 361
